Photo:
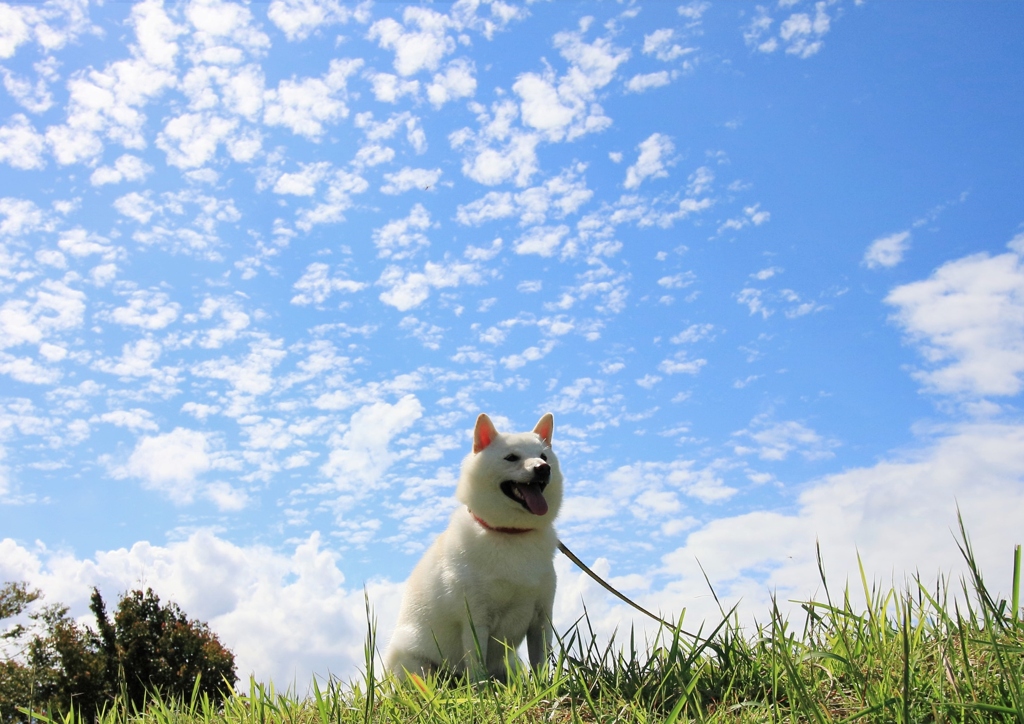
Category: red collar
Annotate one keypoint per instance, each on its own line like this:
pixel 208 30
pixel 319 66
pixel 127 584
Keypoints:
pixel 498 529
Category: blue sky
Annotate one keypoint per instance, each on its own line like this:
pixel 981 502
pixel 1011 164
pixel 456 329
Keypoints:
pixel 264 263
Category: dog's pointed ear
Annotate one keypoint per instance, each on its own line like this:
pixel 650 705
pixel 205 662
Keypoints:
pixel 545 428
pixel 484 433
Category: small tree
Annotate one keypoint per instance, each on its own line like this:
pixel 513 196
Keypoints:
pixel 148 648
pixel 66 664
pixel 15 677
pixel 157 648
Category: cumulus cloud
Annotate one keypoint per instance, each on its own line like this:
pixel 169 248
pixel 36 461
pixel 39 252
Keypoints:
pixel 661 44
pixel 303 182
pixel 645 81
pixel 887 251
pixel 47 310
pixel 360 457
pixel 541 240
pixel 410 178
pixel 305 106
pixel 389 88
pixel 146 309
pixel 419 42
pixel 775 440
pixel 401 238
pixel 21 145
pixel 559 196
pixel 800 33
pixel 967 319
pixel 297 19
pixel 457 81
pixel 651 161
pixel 407 289
pixel 170 463
pixel 126 168
pixel 564 107
pixel 286 614
pixel 316 285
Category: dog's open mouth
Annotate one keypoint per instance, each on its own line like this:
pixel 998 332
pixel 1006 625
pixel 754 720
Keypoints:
pixel 528 495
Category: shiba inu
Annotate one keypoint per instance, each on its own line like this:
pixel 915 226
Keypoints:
pixel 488 581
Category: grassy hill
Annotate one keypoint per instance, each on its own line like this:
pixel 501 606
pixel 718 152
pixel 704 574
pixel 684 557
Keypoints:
pixel 929 653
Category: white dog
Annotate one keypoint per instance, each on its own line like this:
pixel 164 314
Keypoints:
pixel 488 580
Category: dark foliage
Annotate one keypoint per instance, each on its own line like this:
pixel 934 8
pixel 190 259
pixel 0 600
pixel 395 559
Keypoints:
pixel 148 648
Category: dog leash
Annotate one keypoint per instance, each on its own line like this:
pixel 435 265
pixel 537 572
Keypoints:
pixel 611 589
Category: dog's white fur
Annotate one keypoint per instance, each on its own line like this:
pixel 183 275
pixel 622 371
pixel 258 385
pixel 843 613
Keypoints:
pixel 479 591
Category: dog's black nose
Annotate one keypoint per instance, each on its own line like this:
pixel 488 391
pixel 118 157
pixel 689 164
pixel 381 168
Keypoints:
pixel 541 473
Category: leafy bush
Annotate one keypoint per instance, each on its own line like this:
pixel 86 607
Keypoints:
pixel 148 649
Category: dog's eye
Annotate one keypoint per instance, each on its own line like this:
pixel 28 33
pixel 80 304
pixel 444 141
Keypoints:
pixel 512 457
pixel 543 457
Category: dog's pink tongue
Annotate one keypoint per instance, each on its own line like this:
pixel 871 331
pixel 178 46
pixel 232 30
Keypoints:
pixel 534 499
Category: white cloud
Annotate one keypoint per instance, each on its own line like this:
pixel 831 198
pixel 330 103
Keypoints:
pixel 415 49
pixel 233 321
pixel 693 333
pixel 541 240
pixel 360 457
pixel 967 319
pixel 389 88
pixel 564 107
pixel 190 140
pixel 316 285
pixel 407 289
pixel 410 178
pixel 21 216
pixel 660 45
pixel 48 309
pixel 897 516
pixel 498 152
pixel 649 164
pixel 680 363
pixel 126 168
pixel 337 198
pixel 530 354
pixel 304 182
pixel 134 205
pixel 646 81
pixel 156 33
pixel 754 299
pixel 551 108
pixel 133 420
pixel 772 440
pixel 146 309
pixel 50 24
pixel 800 33
pixel 752 215
pixel 677 281
pixel 21 146
pixel 700 181
pixel 401 238
pixel 887 251
pixel 456 82
pixel 297 19
pixel 560 196
pixel 28 370
pixel 170 463
pixel 306 106
pixel 374 154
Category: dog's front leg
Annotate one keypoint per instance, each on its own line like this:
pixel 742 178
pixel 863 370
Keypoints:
pixel 538 638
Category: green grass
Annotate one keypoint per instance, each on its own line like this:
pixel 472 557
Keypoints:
pixel 920 654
